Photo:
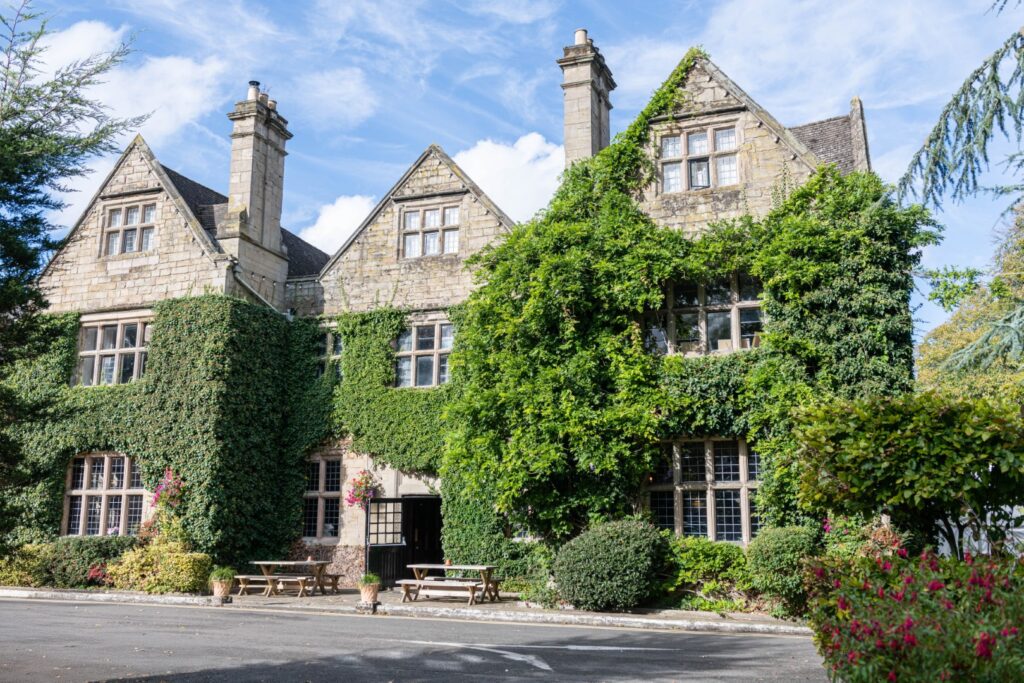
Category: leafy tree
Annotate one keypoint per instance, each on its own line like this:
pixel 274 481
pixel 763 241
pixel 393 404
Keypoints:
pixel 49 129
pixel 936 464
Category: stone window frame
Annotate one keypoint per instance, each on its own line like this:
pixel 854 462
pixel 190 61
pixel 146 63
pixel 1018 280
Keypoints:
pixel 140 229
pixel 143 320
pixel 447 233
pixel 665 332
pixel 411 355
pixel 685 157
pixel 107 491
pixel 321 495
pixel 680 487
pixel 330 347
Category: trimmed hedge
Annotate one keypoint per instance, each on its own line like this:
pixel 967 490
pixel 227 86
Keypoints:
pixel 71 558
pixel 775 560
pixel 614 566
pixel 29 565
pixel 162 567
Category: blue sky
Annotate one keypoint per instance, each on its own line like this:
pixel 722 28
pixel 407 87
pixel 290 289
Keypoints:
pixel 367 84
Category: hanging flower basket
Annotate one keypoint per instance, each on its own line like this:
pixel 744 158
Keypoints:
pixel 363 488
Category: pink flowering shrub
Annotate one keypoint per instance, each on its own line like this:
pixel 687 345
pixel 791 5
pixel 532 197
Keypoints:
pixel 364 488
pixel 898 617
pixel 168 492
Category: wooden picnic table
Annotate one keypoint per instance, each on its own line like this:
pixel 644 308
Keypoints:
pixel 269 567
pixel 486 571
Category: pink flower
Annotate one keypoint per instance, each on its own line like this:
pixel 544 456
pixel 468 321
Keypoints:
pixel 935 585
pixel 983 645
pixel 891 676
pixel 910 639
pixel 902 552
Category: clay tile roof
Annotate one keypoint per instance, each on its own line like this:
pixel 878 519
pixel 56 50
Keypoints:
pixel 210 207
pixel 829 139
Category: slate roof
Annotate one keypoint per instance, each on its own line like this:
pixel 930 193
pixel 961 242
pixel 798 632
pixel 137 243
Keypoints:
pixel 210 207
pixel 829 139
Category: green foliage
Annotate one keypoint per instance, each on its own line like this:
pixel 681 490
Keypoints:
pixel 71 558
pixel 369 579
pixel 950 286
pixel 161 567
pixel 705 575
pixel 29 565
pixel 614 566
pixel 935 463
pixel 223 574
pixel 899 618
pixel 775 560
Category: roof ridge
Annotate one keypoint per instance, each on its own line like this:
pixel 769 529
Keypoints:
pixel 825 120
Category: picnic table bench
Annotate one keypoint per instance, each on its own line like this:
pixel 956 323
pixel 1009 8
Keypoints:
pixel 271 580
pixel 437 586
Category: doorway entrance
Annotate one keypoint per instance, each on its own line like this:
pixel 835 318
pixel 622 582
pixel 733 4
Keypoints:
pixel 400 532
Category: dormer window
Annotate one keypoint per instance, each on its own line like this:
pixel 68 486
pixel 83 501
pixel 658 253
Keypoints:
pixel 699 160
pixel 129 229
pixel 430 232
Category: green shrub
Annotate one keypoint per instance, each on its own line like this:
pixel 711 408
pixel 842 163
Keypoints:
pixel 29 565
pixel 73 557
pixel 775 561
pixel 161 567
pixel 902 617
pixel 369 579
pixel 223 574
pixel 612 566
pixel 706 575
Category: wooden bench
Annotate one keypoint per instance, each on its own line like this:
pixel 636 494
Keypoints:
pixel 300 580
pixel 491 592
pixel 333 578
pixel 245 579
pixel 437 586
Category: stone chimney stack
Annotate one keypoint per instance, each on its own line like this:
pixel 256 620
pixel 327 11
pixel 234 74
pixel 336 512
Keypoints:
pixel 586 85
pixel 256 186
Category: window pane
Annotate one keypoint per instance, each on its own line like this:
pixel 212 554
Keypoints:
pixel 728 517
pixel 90 335
pixel 725 140
pixel 671 147
pixel 337 344
pixel 431 218
pixel 109 337
pixel 148 213
pixel 135 481
pixel 447 336
pixel 405 340
pixel 699 176
pixel 78 473
pixel 672 177
pixel 697 143
pixel 695 514
pixel 412 220
pixel 128 244
pixel 720 331
pixel 313 476
pixel 686 294
pixel 142 363
pixel 332 517
pixel 663 509
pixel 750 327
pixel 107 364
pixel 727 460
pixel 431 243
pixel 74 516
pixel 657 336
pixel 692 461
pixel 753 464
pixel 309 514
pixel 663 466
pixel 425 338
pixel 332 475
pixel 116 473
pixel 755 520
pixel 688 331
pixel 412 245
pixel 96 473
pixel 147 333
pixel 451 216
pixel 726 169
pixel 442 368
pixel 403 372
pixel 451 241
pixel 134 516
pixel 147 239
pixel 424 371
pixel 130 336
pixel 94 506
pixel 86 370
pixel 750 287
pixel 131 216
pixel 111 243
pixel 113 515
pixel 114 220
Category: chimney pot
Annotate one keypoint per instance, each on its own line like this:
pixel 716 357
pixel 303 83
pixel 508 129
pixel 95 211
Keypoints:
pixel 581 36
pixel 272 104
pixel 254 90
pixel 264 97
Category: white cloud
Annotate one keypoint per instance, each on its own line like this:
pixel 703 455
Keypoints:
pixel 336 98
pixel 515 11
pixel 337 221
pixel 521 177
pixel 77 43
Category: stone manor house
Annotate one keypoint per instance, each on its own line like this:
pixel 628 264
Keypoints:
pixel 151 234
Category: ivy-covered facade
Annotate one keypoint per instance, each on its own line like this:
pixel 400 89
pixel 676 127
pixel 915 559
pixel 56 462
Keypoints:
pixel 190 331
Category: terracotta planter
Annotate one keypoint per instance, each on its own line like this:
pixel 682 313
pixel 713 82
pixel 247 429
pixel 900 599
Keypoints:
pixel 368 593
pixel 221 589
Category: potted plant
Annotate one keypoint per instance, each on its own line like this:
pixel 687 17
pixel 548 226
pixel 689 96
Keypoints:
pixel 221 580
pixel 369 586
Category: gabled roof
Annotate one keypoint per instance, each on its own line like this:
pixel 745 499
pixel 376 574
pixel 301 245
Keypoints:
pixel 304 260
pixel 433 150
pixel 831 140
